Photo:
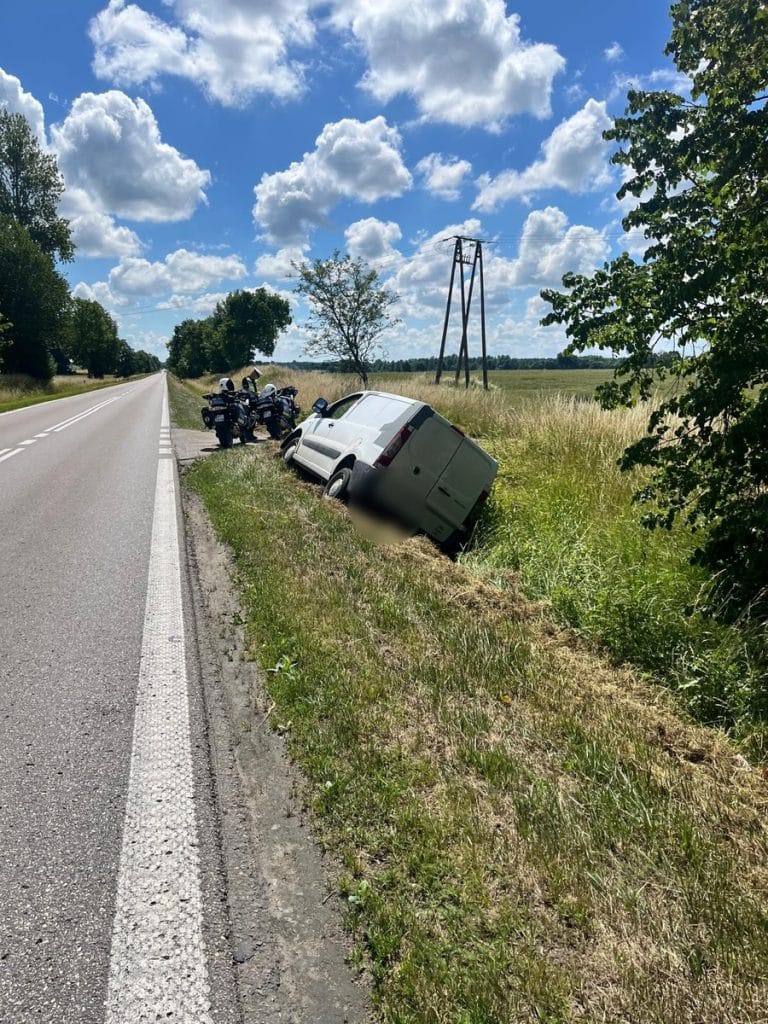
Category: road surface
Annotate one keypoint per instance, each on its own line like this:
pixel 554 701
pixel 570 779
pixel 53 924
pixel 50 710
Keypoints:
pixel 111 904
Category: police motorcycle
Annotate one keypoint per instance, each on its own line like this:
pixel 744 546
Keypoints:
pixel 274 408
pixel 227 414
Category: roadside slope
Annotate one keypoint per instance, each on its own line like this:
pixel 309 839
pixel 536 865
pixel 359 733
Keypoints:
pixel 524 833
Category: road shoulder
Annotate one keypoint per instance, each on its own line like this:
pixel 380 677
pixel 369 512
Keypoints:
pixel 288 944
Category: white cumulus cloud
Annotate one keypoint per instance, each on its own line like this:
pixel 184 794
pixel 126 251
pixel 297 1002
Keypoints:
pixel 94 232
pixel 351 160
pixel 233 49
pixel 443 177
pixel 549 247
pixel 463 61
pixel 16 100
pixel 574 158
pixel 110 146
pixel 180 273
pixel 372 240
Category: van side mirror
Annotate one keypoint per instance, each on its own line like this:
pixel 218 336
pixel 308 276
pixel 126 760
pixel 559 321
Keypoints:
pixel 320 406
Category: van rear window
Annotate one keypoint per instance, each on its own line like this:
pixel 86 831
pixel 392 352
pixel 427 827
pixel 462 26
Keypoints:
pixel 375 409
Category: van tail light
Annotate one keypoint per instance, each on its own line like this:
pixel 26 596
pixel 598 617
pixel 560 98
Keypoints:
pixel 394 446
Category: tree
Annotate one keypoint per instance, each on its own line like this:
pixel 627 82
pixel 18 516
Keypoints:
pixel 4 342
pixel 243 322
pixel 33 296
pixel 189 348
pixel 93 341
pixel 349 309
pixel 31 187
pixel 699 171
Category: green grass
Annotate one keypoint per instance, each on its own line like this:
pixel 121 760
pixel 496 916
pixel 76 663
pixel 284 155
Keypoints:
pixel 186 405
pixel 18 391
pixel 523 832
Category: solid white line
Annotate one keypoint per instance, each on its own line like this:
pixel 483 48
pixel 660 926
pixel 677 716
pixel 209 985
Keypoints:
pixel 81 416
pixel 8 456
pixel 158 965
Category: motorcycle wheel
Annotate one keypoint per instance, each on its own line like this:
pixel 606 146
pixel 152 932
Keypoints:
pixel 224 434
pixel 278 427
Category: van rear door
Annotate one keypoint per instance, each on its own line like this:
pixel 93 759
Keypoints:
pixel 420 463
pixel 467 476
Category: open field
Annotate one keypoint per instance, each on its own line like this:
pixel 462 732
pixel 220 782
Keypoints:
pixel 524 832
pixel 18 391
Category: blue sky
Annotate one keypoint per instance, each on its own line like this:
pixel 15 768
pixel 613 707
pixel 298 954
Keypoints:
pixel 206 145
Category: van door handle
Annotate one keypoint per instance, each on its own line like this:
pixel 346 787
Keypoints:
pixel 330 425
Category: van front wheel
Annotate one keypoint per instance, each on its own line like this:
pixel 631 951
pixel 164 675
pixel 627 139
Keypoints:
pixel 338 485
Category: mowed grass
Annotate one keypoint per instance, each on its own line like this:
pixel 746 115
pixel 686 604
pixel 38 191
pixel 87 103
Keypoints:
pixel 524 832
pixel 18 391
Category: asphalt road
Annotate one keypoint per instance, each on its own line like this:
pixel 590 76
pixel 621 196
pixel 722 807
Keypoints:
pixel 77 507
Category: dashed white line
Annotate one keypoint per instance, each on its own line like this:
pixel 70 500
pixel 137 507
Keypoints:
pixel 10 454
pixel 31 441
pixel 158 965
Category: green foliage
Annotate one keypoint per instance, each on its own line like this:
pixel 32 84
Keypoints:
pixel 93 341
pixel 4 342
pixel 699 171
pixel 349 309
pixel 243 322
pixel 246 321
pixel 31 187
pixel 188 349
pixel 33 296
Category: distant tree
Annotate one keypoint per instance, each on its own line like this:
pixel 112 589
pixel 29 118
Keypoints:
pixel 93 341
pixel 243 322
pixel 33 297
pixel 349 309
pixel 4 342
pixel 31 187
pixel 699 171
pixel 189 350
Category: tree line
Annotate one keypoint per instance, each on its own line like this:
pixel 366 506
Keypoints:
pixel 428 364
pixel 43 328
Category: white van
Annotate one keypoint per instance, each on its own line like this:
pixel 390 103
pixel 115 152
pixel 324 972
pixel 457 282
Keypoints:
pixel 400 454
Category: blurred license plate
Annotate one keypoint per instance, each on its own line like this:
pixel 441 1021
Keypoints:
pixel 219 419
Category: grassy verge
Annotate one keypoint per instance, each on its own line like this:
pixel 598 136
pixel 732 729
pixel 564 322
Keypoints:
pixel 561 517
pixel 525 834
pixel 17 392
pixel 186 403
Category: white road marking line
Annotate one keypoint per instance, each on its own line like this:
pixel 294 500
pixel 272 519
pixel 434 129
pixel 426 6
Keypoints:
pixel 4 450
pixel 8 456
pixel 32 441
pixel 82 415
pixel 158 965
pixel 44 434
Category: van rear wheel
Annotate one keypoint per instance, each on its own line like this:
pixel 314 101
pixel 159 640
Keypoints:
pixel 338 485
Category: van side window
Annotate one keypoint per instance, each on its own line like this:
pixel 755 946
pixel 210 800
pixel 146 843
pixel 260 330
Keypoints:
pixel 339 409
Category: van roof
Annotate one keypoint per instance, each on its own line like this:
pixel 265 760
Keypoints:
pixel 388 394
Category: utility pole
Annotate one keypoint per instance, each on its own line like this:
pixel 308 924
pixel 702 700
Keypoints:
pixel 472 256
